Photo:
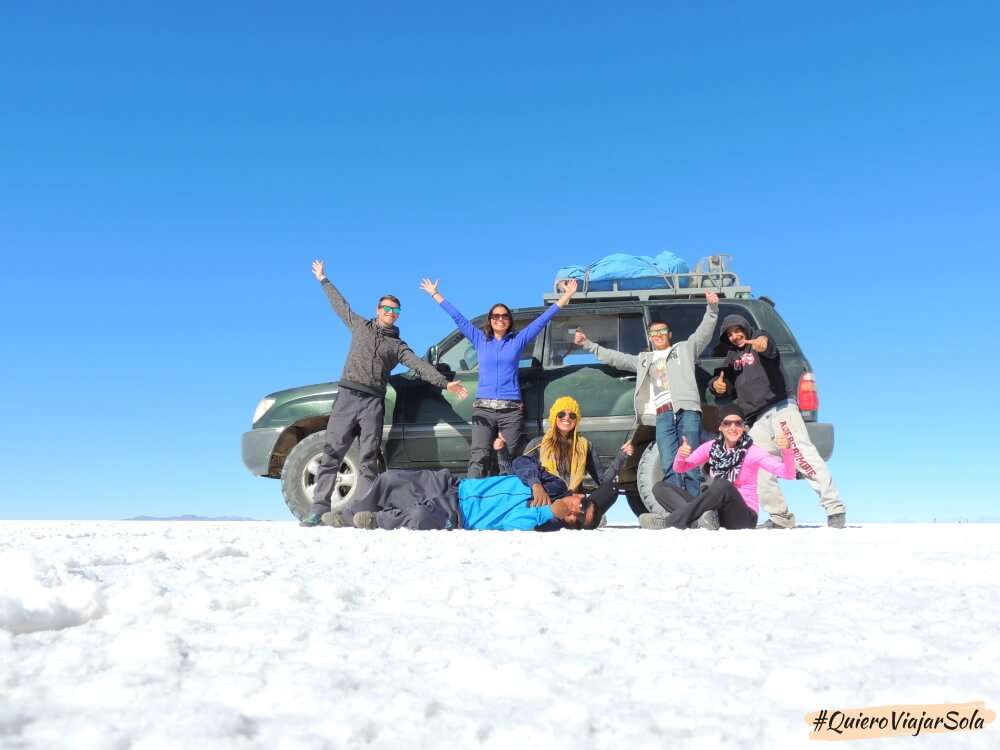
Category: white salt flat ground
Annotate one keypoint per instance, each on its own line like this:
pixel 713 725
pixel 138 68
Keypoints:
pixel 265 635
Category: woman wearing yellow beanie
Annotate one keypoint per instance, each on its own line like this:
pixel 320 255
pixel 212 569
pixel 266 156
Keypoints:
pixel 561 451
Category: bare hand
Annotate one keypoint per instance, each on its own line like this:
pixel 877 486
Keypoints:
pixel 539 496
pixel 628 449
pixel 567 508
pixel 712 298
pixel 569 289
pixel 580 338
pixel 719 384
pixel 431 287
pixel 318 270
pixel 499 444
pixel 782 442
pixel 456 387
pixel 759 344
pixel 685 449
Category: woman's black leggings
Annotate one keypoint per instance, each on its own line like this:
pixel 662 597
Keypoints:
pixel 721 496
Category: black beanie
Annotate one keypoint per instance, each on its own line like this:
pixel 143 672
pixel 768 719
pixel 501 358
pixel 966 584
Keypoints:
pixel 730 410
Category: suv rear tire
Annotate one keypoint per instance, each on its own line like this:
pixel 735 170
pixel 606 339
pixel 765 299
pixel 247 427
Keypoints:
pixel 299 475
pixel 647 473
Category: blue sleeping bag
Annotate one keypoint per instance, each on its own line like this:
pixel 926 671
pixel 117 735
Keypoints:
pixel 630 271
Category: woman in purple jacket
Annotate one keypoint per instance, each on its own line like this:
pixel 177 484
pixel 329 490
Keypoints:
pixel 498 406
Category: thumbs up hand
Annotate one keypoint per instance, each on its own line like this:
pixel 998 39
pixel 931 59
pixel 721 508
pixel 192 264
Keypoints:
pixel 685 449
pixel 719 384
pixel 782 442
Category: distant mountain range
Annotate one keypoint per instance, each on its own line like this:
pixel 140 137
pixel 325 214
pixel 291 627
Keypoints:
pixel 189 517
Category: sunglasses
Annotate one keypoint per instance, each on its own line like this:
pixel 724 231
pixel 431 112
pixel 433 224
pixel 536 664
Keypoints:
pixel 566 415
pixel 391 309
pixel 499 316
pixel 659 331
pixel 731 423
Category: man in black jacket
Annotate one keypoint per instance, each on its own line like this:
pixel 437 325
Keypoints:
pixel 753 372
pixel 360 406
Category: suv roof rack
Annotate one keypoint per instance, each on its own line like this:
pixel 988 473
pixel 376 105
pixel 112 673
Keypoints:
pixel 711 274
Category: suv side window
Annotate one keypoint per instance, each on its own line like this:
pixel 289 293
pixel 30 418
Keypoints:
pixel 624 333
pixel 460 356
pixel 683 319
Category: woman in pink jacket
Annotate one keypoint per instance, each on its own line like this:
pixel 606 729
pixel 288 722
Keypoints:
pixel 733 461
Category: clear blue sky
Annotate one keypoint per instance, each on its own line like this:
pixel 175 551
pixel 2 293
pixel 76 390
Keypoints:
pixel 169 170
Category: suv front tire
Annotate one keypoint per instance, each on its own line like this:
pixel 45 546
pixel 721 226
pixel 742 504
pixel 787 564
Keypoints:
pixel 299 475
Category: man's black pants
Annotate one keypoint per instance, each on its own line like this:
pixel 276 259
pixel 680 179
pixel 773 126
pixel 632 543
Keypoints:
pixel 354 413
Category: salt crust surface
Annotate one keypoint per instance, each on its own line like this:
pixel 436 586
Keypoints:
pixel 264 635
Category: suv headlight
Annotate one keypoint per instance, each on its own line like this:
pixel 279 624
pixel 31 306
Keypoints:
pixel 262 407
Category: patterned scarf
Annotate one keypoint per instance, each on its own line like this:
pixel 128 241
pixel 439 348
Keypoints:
pixel 727 463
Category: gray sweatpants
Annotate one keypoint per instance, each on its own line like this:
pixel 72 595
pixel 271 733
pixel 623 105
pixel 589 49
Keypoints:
pixel 354 413
pixel 785 418
pixel 486 423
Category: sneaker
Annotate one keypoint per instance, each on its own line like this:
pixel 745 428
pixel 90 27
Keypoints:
pixel 314 519
pixel 652 521
pixel 709 520
pixel 769 524
pixel 365 519
pixel 836 520
pixel 334 519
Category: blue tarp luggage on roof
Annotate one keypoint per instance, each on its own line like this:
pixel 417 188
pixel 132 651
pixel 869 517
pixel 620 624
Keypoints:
pixel 630 271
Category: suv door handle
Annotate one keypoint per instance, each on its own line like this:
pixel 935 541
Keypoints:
pixel 627 377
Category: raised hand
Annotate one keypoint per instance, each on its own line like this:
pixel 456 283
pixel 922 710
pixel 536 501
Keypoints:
pixel 579 338
pixel 712 298
pixel 628 449
pixel 499 443
pixel 569 289
pixel 759 344
pixel 685 449
pixel 456 387
pixel 318 270
pixel 782 442
pixel 719 384
pixel 431 287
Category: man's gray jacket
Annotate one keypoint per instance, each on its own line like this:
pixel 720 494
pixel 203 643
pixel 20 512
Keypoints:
pixel 684 392
pixel 375 350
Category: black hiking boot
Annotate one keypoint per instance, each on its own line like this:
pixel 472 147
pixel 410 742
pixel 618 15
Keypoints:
pixel 836 520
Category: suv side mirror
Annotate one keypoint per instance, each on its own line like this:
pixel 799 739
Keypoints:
pixel 432 355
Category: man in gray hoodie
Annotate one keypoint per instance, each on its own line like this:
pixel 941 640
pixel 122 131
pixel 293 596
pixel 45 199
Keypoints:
pixel 360 406
pixel 666 392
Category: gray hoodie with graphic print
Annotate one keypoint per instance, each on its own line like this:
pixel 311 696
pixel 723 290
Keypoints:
pixel 680 365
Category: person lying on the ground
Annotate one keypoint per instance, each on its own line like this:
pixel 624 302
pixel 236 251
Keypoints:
pixel 562 450
pixel 733 462
pixel 529 499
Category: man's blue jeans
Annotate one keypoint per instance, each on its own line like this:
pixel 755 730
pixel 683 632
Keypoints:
pixel 670 428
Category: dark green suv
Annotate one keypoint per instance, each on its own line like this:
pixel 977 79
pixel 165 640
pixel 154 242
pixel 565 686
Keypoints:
pixel 426 428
